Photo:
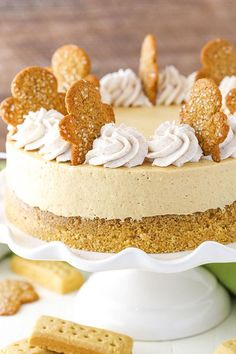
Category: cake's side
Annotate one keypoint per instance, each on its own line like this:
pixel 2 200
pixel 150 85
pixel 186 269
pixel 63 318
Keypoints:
pixel 158 234
pixel 122 193
pixel 97 209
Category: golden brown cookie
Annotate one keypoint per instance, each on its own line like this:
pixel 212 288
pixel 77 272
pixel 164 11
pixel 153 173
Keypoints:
pixel 13 110
pixel 23 347
pixel 68 337
pixel 109 113
pixel 202 74
pixel 65 278
pixel 49 68
pixel 87 114
pixel 70 64
pixel 218 58
pixel 13 294
pixel 32 88
pixel 202 112
pixel 230 101
pixel 60 103
pixel 148 68
pixel 93 79
pixel 227 347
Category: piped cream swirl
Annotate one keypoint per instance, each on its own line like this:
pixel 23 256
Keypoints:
pixel 123 89
pixel 173 145
pixel 118 146
pixel 173 87
pixel 228 147
pixel 40 132
pixel 232 122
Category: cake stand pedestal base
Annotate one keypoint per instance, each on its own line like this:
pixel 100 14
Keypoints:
pixel 153 306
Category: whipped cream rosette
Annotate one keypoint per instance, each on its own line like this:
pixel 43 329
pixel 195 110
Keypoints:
pixel 118 146
pixel 123 89
pixel 173 144
pixel 228 147
pixel 40 131
pixel 54 147
pixel 173 87
pixel 232 122
pixel 191 78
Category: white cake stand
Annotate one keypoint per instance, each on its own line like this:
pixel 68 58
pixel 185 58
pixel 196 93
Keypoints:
pixel 149 297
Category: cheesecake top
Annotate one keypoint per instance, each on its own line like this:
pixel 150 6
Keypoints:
pixel 66 114
pixel 146 119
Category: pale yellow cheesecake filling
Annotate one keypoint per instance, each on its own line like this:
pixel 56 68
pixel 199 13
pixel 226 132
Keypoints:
pixel 138 192
pixel 146 119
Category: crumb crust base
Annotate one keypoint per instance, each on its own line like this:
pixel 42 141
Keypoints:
pixel 157 234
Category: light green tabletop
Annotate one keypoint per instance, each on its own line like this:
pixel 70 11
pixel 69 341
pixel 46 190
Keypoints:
pixel 225 273
pixel 2 164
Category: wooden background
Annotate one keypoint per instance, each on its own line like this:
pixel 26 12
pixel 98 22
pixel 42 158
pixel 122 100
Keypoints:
pixel 110 31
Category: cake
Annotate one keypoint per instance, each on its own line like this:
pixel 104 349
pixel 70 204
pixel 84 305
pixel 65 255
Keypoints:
pixel 161 178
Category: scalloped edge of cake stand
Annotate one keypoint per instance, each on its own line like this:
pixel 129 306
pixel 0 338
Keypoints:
pixel 141 302
pixel 130 258
pixel 132 293
pixel 30 247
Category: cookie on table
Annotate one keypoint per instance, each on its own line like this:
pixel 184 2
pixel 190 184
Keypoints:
pixel 13 294
pixel 23 347
pixel 56 276
pixel 227 347
pixel 68 337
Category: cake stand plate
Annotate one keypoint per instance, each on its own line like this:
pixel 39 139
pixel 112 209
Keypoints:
pixel 149 297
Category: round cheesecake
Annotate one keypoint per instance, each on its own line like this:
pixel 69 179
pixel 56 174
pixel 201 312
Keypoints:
pixel 106 210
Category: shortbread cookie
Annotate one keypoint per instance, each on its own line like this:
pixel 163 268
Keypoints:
pixel 68 337
pixel 13 294
pixel 32 89
pixel 203 113
pixel 87 115
pixel 56 276
pixel 148 69
pixel 218 59
pixel 227 347
pixel 23 347
pixel 70 64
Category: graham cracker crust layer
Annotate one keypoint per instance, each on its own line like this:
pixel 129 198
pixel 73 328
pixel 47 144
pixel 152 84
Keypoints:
pixel 158 234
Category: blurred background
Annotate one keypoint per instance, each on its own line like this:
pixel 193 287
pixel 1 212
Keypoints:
pixel 110 31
